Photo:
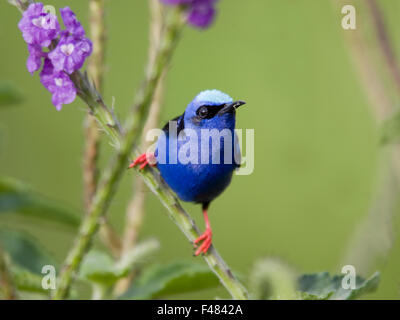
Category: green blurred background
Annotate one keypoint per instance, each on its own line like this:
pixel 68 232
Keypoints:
pixel 316 155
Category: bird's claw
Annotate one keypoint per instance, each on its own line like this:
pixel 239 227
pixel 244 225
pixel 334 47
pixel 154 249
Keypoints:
pixel 206 237
pixel 143 160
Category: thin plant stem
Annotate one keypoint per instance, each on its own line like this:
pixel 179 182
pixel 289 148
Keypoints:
pixel 92 134
pixel 90 156
pixel 98 291
pixel 95 67
pixel 384 42
pixel 6 282
pixel 135 210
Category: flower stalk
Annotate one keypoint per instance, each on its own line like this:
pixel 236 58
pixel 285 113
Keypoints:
pixel 91 128
pixel 95 66
pixel 98 109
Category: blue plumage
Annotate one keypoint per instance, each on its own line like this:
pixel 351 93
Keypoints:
pixel 199 152
pixel 199 182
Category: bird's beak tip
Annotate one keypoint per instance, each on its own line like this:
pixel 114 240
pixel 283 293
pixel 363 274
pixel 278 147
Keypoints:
pixel 231 107
pixel 241 102
pixel 238 103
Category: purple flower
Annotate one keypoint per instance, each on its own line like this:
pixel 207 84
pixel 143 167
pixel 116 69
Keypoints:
pixel 39 29
pixel 73 47
pixel 34 61
pixel 201 13
pixel 37 26
pixel 71 23
pixel 58 83
pixel 70 53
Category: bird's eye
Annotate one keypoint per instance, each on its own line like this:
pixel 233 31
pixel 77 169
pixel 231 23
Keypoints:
pixel 202 112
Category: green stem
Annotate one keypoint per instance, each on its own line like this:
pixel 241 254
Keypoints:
pixel 92 135
pixel 98 291
pixel 95 67
pixel 105 117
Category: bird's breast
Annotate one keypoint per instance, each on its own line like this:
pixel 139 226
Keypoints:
pixel 197 167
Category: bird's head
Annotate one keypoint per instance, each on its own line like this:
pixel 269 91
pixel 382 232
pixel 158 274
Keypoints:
pixel 211 109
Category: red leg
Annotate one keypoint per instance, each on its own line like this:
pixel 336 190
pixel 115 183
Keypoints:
pixel 143 160
pixel 206 237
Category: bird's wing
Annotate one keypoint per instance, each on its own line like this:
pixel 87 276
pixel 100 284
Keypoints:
pixel 181 124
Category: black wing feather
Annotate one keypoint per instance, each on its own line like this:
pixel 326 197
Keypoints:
pixel 181 124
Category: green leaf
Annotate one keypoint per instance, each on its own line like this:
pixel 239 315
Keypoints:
pixel 174 278
pixel 310 296
pixel 9 95
pixel 100 268
pixel 24 251
pixel 17 198
pixel 139 255
pixel 321 286
pixel 27 281
pixel 367 286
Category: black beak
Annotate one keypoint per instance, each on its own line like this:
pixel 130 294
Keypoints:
pixel 231 107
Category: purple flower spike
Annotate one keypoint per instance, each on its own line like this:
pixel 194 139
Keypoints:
pixel 59 84
pixel 71 23
pixel 39 29
pixel 201 13
pixel 37 26
pixel 70 53
pixel 35 58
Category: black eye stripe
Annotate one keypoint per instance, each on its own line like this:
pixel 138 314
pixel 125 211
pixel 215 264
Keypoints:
pixel 211 111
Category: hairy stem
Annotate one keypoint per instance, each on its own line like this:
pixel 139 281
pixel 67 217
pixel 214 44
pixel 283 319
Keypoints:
pixel 92 134
pixel 95 67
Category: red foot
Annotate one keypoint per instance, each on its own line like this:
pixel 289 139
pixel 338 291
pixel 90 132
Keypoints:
pixel 206 237
pixel 143 160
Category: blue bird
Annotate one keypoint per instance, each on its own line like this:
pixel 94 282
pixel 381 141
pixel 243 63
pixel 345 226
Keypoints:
pixel 197 167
